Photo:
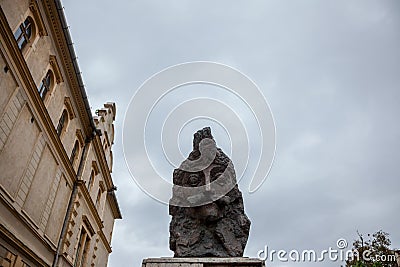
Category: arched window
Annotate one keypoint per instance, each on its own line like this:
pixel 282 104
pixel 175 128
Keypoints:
pixel 24 32
pixel 74 153
pixel 45 84
pixel 62 122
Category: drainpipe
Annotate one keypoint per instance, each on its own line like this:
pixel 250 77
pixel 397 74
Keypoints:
pixel 71 199
pixel 95 131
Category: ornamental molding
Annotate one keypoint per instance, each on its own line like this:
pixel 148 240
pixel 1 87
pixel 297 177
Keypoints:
pixel 33 6
pixel 56 68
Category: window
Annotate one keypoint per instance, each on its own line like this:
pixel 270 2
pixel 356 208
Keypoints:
pixel 44 86
pixel 105 143
pixel 98 199
pixel 24 33
pixel 62 122
pixel 111 161
pixel 82 249
pixel 74 153
pixel 91 180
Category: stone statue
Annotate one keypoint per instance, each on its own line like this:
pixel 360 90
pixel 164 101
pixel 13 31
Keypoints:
pixel 208 218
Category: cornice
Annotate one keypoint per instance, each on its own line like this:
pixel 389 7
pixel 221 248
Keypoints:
pixel 67 62
pixel 111 198
pixel 105 241
pixel 88 225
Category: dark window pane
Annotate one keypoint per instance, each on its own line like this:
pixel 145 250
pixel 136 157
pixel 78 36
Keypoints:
pixel 18 33
pixel 48 80
pixel 28 32
pixel 73 153
pixel 43 93
pixel 23 33
pixel 61 122
pixel 21 42
pixel 44 86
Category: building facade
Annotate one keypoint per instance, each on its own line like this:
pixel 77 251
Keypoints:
pixel 57 196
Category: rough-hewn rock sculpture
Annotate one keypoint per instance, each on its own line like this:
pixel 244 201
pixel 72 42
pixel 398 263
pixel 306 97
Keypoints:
pixel 208 221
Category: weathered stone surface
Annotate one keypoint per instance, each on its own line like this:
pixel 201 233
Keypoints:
pixel 207 223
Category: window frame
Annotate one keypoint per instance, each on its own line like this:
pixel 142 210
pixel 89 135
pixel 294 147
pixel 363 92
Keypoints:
pixel 83 248
pixel 98 199
pixel 75 153
pixel 24 33
pixel 62 122
pixel 46 85
pixel 91 179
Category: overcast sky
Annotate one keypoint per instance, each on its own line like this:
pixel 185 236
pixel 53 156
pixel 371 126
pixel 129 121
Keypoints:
pixel 330 71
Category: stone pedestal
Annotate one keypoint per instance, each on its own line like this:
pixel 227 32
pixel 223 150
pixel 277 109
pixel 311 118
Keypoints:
pixel 203 262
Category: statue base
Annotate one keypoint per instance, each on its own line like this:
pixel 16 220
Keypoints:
pixel 203 262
